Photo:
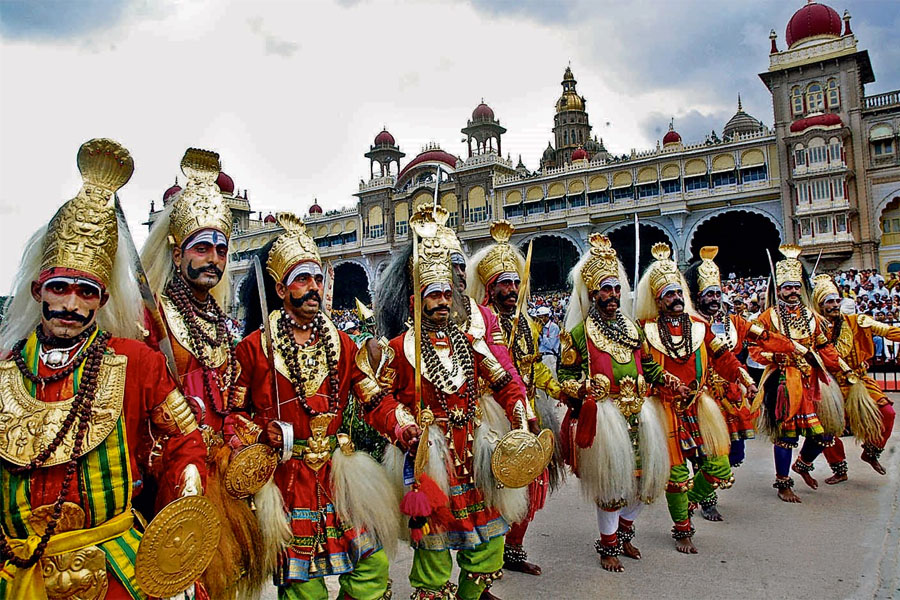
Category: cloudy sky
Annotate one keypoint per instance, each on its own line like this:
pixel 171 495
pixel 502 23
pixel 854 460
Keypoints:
pixel 291 93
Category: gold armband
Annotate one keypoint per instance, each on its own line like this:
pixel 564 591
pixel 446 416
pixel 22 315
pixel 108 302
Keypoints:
pixel 718 345
pixel 240 396
pixel 498 338
pixel 174 415
pixel 755 331
pixel 404 417
pixel 568 353
pixel 571 388
pixel 745 378
pixel 366 390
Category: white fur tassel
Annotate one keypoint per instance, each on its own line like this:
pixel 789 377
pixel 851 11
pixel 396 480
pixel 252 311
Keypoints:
pixel 654 450
pixel 716 440
pixel 863 414
pixel 606 468
pixel 273 524
pixel 364 498
pixel 830 408
pixel 511 503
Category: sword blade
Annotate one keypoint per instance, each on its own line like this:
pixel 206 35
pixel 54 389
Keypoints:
pixel 267 333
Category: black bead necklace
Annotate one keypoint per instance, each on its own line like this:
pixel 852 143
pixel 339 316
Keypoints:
pixel 290 351
pixel 615 330
pixel 680 351
pixel 462 357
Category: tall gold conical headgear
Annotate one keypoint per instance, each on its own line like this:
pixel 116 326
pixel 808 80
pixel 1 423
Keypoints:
pixel 789 268
pixel 602 263
pixel 83 234
pixel 708 272
pixel 823 287
pixel 663 272
pixel 291 248
pixel 434 251
pixel 503 257
pixel 200 205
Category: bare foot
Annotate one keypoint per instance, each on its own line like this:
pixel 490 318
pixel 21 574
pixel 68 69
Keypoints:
pixel 686 546
pixel 788 495
pixel 873 462
pixel 629 550
pixel 807 478
pixel 523 567
pixel 836 479
pixel 611 563
pixel 711 514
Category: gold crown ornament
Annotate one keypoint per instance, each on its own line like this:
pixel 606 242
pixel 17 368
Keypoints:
pixel 602 263
pixel 503 256
pixel 291 248
pixel 663 271
pixel 83 234
pixel 200 205
pixel 789 269
pixel 708 272
pixel 823 286
pixel 434 252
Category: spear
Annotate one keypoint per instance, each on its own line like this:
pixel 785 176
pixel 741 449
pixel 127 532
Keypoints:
pixel 526 276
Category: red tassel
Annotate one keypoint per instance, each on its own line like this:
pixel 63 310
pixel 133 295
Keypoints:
pixel 439 502
pixel 416 535
pixel 415 503
pixel 587 424
pixel 782 403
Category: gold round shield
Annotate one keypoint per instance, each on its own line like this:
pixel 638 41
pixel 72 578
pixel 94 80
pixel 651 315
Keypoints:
pixel 177 546
pixel 521 456
pixel 250 468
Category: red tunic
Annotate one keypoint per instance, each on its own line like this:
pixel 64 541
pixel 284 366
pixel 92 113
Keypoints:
pixel 316 550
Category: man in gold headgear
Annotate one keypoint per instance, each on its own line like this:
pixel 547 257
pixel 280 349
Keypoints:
pixel 186 256
pixel 341 510
pixel 870 413
pixel 495 283
pixel 77 392
pixel 684 345
pixel 613 435
pixel 731 332
pixel 796 394
pixel 459 422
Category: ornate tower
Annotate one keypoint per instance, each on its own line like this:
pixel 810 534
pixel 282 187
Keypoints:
pixel 384 152
pixel 485 130
pixel 570 124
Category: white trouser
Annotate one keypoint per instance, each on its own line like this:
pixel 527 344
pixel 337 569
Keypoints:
pixel 608 520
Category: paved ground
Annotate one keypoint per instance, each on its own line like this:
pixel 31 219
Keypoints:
pixel 842 542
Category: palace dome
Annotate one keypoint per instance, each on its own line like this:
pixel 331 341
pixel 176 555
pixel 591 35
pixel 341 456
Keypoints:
pixel 483 112
pixel 171 192
pixel 225 183
pixel 579 154
pixel 812 21
pixel 315 209
pixel 385 139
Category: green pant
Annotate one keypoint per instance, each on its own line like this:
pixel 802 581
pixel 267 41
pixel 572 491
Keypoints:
pixel 431 569
pixel 368 581
pixel 678 502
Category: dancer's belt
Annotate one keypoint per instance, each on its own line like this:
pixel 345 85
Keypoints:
pixel 628 397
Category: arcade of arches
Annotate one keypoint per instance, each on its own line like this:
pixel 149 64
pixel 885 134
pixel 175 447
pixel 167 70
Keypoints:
pixel 742 238
pixel 552 258
pixel 622 239
pixel 350 282
pixel 889 250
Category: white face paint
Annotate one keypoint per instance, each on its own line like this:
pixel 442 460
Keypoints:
pixel 305 268
pixel 213 237
pixel 436 287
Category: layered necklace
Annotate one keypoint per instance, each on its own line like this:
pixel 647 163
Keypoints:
pixel 461 358
pixel 795 320
pixel 679 351
pixel 523 331
pixel 615 330
pixel 319 346
pixel 80 412
pixel 191 312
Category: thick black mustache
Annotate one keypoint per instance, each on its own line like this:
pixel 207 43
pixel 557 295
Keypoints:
pixel 676 303
pixel 195 273
pixel 604 304
pixel 66 315
pixel 504 297
pixel 431 311
pixel 310 295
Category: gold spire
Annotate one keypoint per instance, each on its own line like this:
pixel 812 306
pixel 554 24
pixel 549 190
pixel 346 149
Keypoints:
pixel 664 271
pixel 789 269
pixel 83 234
pixel 602 264
pixel 291 247
pixel 708 272
pixel 200 205
pixel 503 256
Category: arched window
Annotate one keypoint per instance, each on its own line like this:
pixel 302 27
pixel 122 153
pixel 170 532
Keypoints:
pixel 799 156
pixel 834 94
pixel 565 138
pixel 815 98
pixel 796 101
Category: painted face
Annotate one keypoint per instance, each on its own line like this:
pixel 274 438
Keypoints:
pixel 436 306
pixel 608 299
pixel 459 276
pixel 505 294
pixel 201 265
pixel 711 302
pixel 303 297
pixel 68 306
pixel 832 308
pixel 790 293
pixel 672 302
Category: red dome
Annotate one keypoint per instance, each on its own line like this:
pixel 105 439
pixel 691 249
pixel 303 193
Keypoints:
pixel 315 209
pixel 827 120
pixel 385 139
pixel 579 154
pixel 812 20
pixel 225 183
pixel 429 156
pixel 171 192
pixel 671 137
pixel 270 218
pixel 482 112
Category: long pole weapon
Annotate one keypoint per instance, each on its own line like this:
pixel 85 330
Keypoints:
pixel 149 300
pixel 637 258
pixel 816 266
pixel 520 301
pixel 328 300
pixel 267 333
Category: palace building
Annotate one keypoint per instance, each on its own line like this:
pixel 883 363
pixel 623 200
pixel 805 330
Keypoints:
pixel 826 176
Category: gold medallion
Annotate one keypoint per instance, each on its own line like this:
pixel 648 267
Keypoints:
pixel 250 468
pixel 177 546
pixel 521 456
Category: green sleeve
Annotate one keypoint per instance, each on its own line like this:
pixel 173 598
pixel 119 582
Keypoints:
pixel 653 371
